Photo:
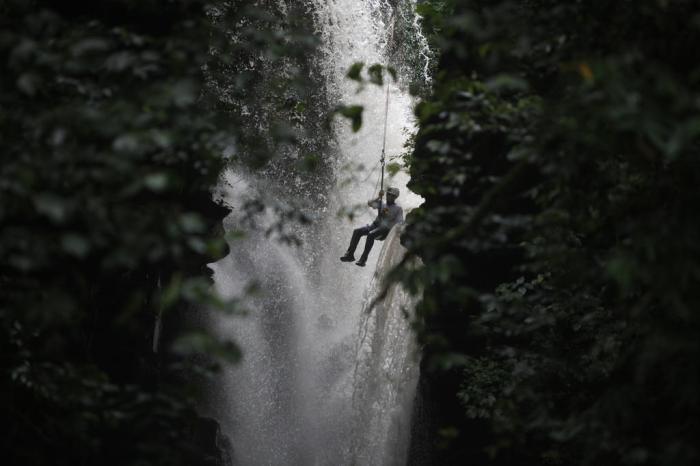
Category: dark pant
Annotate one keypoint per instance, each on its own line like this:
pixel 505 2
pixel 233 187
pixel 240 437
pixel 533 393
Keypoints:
pixel 372 233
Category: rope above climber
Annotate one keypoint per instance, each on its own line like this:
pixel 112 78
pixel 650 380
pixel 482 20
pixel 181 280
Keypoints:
pixel 387 216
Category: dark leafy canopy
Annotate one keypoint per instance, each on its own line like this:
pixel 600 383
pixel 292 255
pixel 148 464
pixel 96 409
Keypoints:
pixel 105 176
pixel 110 148
pixel 560 161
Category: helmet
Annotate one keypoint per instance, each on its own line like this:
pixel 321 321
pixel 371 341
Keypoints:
pixel 392 192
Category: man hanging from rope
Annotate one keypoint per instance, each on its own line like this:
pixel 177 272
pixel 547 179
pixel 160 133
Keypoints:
pixel 388 215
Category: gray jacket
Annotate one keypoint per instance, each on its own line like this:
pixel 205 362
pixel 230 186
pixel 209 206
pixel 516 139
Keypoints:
pixel 388 215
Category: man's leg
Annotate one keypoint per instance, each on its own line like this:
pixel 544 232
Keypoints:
pixel 369 242
pixel 356 235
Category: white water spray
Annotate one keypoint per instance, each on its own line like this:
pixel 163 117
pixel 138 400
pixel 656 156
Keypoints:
pixel 323 381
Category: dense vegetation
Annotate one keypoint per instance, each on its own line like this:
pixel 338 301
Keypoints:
pixel 115 116
pixel 559 158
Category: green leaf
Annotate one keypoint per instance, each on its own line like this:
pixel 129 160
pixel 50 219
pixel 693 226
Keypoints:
pixel 376 74
pixel 28 83
pixel 507 82
pixel 199 343
pixel 156 182
pixel 75 245
pixel 622 270
pixel 51 206
pixel 184 93
pixel 197 244
pixel 354 113
pixel 89 45
pixel 235 235
pixel 355 71
pixel 392 71
pixel 171 294
pixel 191 222
pixel 310 162
pixel 127 144
pixel 393 168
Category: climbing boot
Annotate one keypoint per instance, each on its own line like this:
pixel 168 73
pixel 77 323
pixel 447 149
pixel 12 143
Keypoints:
pixel 348 257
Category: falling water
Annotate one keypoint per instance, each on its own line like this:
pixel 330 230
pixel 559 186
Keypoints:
pixel 386 372
pixel 325 380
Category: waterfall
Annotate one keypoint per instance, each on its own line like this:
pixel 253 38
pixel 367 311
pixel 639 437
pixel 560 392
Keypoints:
pixel 386 368
pixel 325 380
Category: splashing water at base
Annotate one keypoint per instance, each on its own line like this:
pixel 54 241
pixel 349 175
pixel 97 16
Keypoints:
pixel 324 381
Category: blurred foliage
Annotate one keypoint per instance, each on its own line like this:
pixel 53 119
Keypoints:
pixel 266 75
pixel 113 129
pixel 376 75
pixel 559 159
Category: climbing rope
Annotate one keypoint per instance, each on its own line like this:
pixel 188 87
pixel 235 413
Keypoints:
pixel 386 107
pixel 386 119
pixel 376 186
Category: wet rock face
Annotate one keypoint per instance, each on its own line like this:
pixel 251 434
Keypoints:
pixel 209 438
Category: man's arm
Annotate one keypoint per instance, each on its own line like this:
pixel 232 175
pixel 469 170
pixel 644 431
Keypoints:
pixel 376 203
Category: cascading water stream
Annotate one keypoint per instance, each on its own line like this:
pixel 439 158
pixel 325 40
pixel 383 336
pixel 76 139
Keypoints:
pixel 386 368
pixel 324 380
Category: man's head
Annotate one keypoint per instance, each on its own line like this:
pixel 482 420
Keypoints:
pixel 391 194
